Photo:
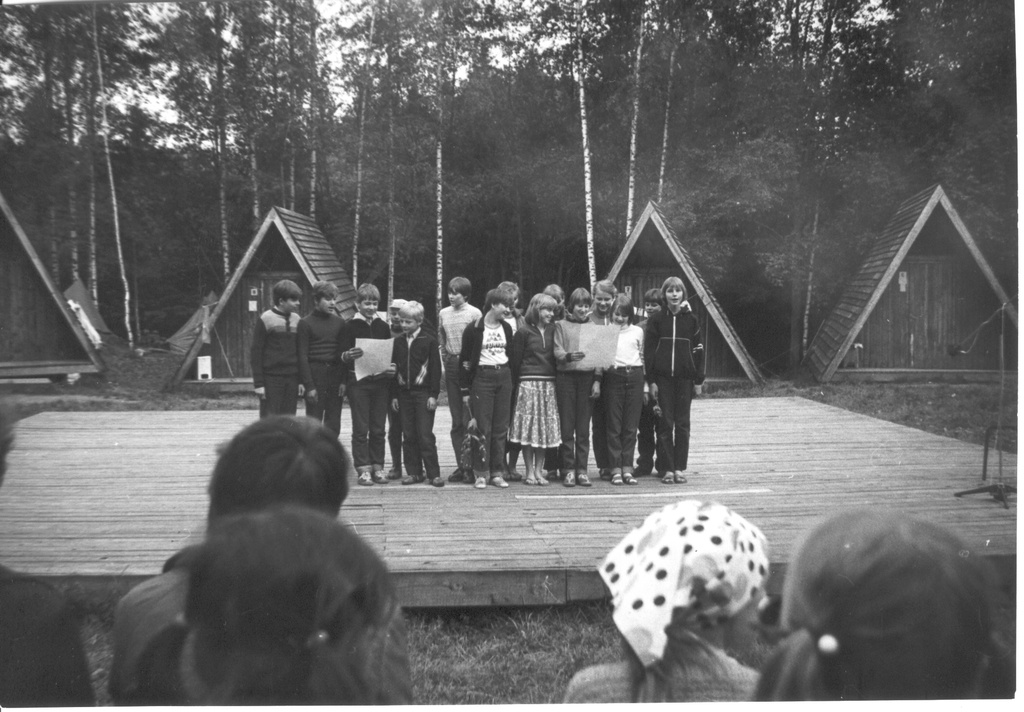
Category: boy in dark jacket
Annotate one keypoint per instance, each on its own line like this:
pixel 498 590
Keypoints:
pixel 414 394
pixel 275 352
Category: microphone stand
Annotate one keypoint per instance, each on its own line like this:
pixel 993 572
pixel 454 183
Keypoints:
pixel 999 490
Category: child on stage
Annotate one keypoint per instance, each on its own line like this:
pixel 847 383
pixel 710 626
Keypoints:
pixel 321 371
pixel 275 352
pixel 486 385
pixel 452 321
pixel 624 392
pixel 574 392
pixel 368 398
pixel 535 420
pixel 414 394
pixel 674 361
pixel 604 294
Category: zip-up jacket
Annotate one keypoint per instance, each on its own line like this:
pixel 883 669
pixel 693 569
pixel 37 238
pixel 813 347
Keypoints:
pixel 673 346
pixel 275 346
pixel 533 353
pixel 360 328
pixel 469 356
pixel 419 365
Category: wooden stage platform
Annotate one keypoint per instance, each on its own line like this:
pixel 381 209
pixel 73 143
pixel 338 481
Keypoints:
pixel 108 496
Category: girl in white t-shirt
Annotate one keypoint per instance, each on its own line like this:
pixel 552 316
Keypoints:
pixel 623 391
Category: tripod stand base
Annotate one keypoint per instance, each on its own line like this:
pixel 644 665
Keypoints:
pixel 999 492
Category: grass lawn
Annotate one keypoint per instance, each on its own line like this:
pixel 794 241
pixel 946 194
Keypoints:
pixel 501 655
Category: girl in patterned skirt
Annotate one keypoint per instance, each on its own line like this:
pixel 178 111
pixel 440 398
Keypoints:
pixel 535 420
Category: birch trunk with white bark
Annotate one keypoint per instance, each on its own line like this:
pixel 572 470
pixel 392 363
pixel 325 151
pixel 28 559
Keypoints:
pixel 105 130
pixel 588 193
pixel 635 119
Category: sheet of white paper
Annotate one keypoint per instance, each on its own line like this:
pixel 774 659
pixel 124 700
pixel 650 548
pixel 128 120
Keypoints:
pixel 376 357
pixel 598 344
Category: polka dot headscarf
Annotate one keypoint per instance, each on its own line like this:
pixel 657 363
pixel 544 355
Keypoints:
pixel 703 561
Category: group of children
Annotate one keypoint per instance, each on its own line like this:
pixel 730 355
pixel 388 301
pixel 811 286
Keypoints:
pixel 512 379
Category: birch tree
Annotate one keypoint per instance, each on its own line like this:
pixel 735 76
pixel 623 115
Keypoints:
pixel 635 117
pixel 105 130
pixel 364 91
pixel 587 188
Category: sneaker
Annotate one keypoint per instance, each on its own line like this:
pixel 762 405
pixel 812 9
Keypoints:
pixel 365 478
pixel 582 480
pixel 481 483
pixel 457 476
pixel 437 482
pixel 395 473
pixel 499 481
pixel 379 477
pixel 570 479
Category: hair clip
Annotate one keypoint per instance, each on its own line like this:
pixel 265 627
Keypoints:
pixel 317 639
pixel 828 645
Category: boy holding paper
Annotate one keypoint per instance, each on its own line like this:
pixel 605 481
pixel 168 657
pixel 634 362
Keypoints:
pixel 367 393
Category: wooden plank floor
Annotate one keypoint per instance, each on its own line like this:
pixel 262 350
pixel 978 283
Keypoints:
pixel 105 495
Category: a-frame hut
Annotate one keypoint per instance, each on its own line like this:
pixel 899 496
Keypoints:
pixel 916 305
pixel 39 336
pixel 654 252
pixel 78 293
pixel 287 246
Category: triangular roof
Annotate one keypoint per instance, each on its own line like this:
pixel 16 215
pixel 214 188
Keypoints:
pixel 183 337
pixel 653 214
pixel 862 293
pixel 311 251
pixel 67 356
pixel 78 292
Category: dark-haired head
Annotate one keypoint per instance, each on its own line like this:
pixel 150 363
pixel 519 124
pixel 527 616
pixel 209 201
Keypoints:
pixel 879 605
pixel 499 296
pixel 287 606
pixel 623 306
pixel 280 460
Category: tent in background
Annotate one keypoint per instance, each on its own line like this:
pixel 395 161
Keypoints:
pixel 78 293
pixel 184 337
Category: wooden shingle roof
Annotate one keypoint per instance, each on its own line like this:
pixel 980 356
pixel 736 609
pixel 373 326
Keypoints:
pixel 653 214
pixel 882 262
pixel 311 251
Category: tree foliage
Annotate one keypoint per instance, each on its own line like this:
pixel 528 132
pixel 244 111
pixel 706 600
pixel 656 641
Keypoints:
pixel 795 129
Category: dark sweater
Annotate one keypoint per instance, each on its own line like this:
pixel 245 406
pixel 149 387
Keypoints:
pixel 275 350
pixel 533 353
pixel 673 346
pixel 320 336
pixel 41 658
pixel 419 365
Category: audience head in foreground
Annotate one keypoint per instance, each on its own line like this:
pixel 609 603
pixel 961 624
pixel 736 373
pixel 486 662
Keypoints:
pixel 685 587
pixel 284 606
pixel 280 460
pixel 878 605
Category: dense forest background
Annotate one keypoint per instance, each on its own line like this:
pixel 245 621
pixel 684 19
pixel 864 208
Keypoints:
pixel 142 144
